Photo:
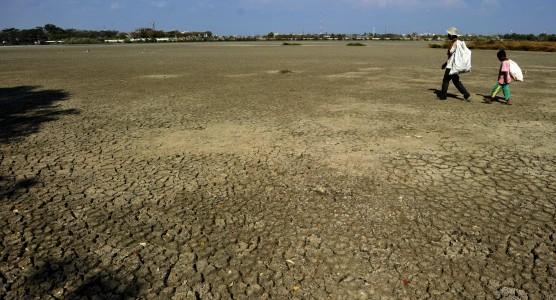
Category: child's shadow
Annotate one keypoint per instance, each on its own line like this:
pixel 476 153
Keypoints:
pixel 487 99
pixel 437 93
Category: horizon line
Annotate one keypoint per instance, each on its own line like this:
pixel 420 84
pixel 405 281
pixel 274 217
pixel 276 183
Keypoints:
pixel 303 32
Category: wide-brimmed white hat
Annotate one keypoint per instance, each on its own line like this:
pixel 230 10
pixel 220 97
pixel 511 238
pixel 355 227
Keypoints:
pixel 453 31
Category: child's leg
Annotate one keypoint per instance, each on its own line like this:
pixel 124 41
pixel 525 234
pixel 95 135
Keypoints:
pixel 507 92
pixel 495 90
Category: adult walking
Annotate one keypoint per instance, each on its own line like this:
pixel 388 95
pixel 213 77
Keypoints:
pixel 459 61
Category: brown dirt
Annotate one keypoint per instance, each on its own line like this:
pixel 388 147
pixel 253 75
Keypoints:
pixel 195 171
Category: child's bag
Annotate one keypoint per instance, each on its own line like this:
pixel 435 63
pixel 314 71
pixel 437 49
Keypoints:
pixel 515 71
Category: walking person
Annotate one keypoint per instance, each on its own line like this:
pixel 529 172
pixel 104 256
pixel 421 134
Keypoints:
pixel 459 61
pixel 505 76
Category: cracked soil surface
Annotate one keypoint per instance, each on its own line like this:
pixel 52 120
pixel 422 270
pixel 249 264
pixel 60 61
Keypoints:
pixel 205 171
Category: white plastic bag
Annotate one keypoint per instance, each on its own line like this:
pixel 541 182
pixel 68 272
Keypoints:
pixel 462 59
pixel 515 71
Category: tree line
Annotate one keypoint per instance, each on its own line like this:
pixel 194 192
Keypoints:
pixel 543 37
pixel 51 32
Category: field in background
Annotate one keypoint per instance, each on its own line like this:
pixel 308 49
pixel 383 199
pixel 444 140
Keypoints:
pixel 206 170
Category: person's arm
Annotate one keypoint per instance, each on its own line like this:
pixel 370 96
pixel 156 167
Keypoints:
pixel 504 75
pixel 449 53
pixel 453 48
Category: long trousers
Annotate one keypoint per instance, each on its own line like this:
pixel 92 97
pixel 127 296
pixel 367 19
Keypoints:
pixel 455 79
pixel 505 89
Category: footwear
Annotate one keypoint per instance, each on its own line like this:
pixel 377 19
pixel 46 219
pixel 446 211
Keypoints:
pixel 468 98
pixel 509 102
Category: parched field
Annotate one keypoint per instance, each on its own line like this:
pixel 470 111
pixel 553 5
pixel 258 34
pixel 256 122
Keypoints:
pixel 205 171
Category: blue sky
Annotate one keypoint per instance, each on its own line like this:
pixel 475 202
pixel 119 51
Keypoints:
pixel 286 16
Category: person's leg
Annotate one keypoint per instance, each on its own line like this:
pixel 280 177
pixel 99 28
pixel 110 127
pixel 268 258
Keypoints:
pixel 460 87
pixel 495 90
pixel 445 82
pixel 507 93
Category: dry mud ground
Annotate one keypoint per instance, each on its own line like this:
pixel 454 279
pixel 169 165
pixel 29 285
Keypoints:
pixel 200 171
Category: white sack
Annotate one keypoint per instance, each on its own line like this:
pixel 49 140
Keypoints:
pixel 515 71
pixel 462 59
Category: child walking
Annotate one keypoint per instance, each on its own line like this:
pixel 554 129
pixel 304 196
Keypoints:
pixel 504 78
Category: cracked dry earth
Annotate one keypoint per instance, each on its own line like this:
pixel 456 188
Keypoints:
pixel 200 171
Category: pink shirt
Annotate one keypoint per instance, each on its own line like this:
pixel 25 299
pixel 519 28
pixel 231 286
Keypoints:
pixel 505 71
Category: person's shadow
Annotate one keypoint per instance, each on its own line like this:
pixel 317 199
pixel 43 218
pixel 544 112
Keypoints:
pixel 487 99
pixel 449 95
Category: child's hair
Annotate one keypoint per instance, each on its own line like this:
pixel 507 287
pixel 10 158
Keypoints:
pixel 501 54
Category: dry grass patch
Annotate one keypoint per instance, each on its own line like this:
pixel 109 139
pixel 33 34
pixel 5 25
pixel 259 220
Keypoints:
pixel 508 45
pixel 515 45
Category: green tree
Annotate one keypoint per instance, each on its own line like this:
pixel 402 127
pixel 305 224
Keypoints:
pixel 54 32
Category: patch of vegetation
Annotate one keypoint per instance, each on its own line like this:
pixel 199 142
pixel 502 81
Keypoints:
pixel 508 45
pixel 290 44
pixel 286 71
pixel 82 41
pixel 447 44
pixel 514 45
pixel 356 44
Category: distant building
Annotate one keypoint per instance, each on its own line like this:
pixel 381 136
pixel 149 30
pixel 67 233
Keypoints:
pixel 166 39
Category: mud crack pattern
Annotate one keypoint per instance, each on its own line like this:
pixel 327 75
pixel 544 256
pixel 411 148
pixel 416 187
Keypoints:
pixel 270 186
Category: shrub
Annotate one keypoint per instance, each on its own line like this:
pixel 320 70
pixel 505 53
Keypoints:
pixel 445 45
pixel 74 41
pixel 291 44
pixel 515 45
pixel 356 44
